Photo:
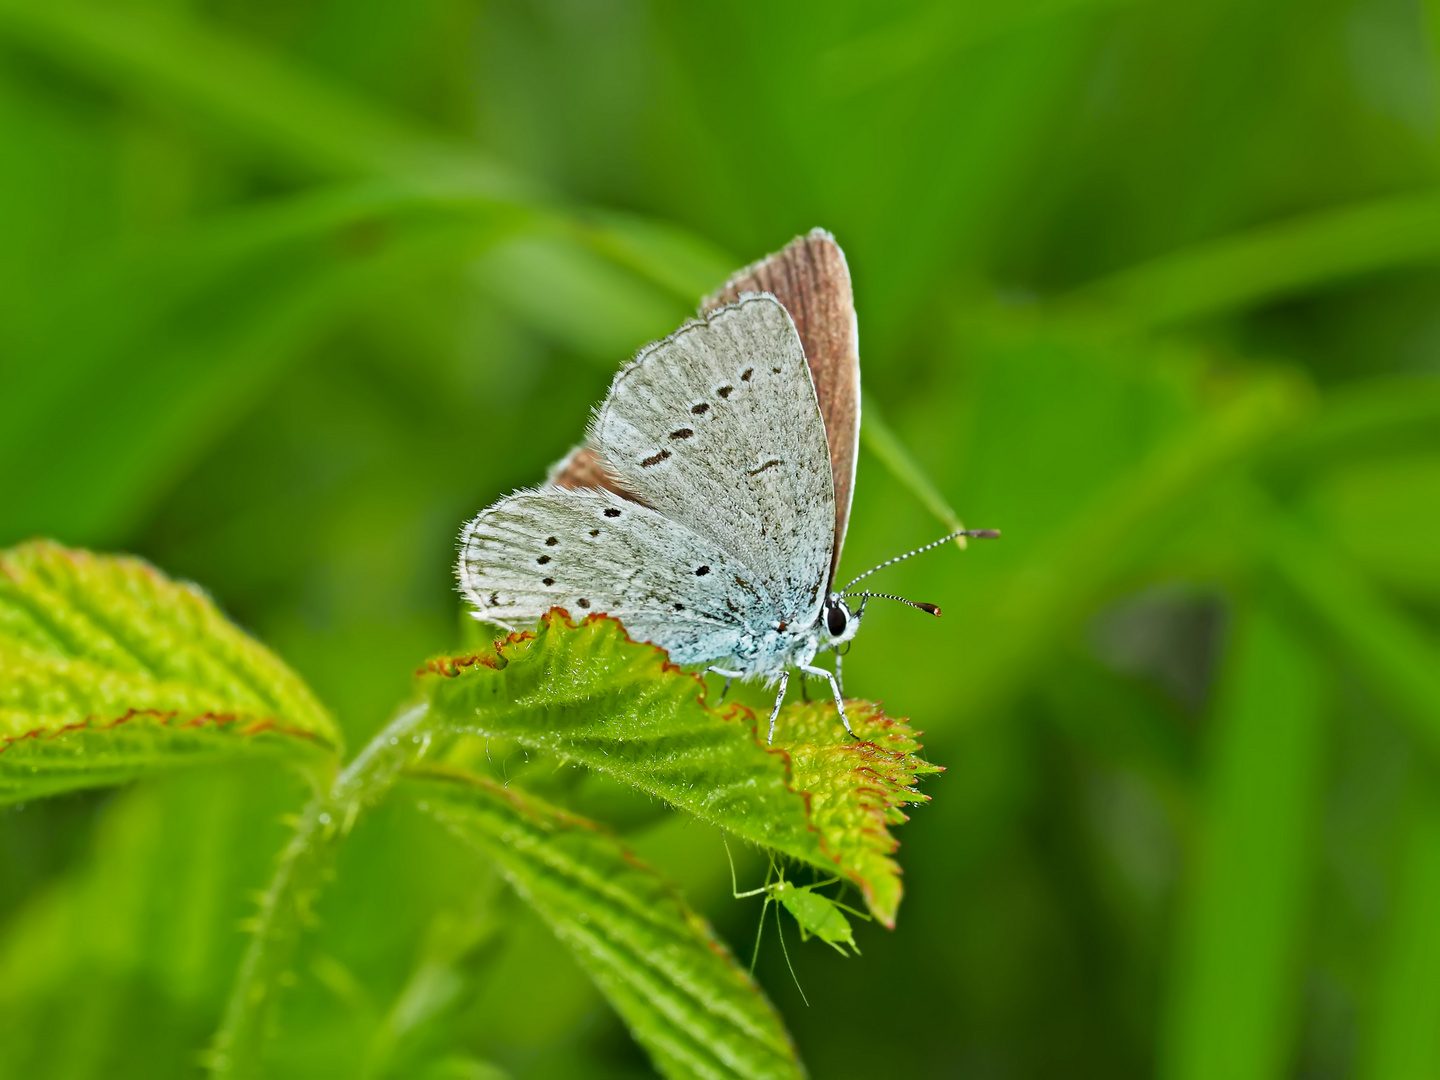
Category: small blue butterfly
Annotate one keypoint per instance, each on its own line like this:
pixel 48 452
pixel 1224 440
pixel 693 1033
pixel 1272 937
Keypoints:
pixel 708 506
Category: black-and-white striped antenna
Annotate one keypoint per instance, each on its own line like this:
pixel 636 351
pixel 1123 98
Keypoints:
pixel 976 534
pixel 933 609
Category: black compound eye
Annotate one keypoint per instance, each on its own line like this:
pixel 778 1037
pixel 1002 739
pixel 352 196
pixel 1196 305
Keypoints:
pixel 836 618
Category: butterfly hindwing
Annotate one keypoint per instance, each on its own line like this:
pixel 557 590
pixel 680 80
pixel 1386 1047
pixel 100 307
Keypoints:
pixel 590 551
pixel 717 428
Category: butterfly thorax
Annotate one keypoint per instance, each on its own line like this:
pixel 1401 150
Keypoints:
pixel 769 652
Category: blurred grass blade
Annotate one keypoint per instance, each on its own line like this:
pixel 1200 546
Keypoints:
pixel 1111 539
pixel 109 671
pixel 678 261
pixel 1404 1039
pixel 1369 417
pixel 590 694
pixel 935 34
pixel 145 915
pixel 1235 995
pixel 252 94
pixel 1273 261
pixel 675 983
pixel 1397 656
pixel 571 294
pixel 299 117
pixel 880 439
pixel 248 309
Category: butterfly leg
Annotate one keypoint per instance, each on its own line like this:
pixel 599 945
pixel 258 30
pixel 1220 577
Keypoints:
pixel 839 678
pixel 729 677
pixel 835 686
pixel 779 697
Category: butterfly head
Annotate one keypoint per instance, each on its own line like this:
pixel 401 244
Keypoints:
pixel 840 624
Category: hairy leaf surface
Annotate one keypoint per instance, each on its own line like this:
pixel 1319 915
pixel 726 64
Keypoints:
pixel 109 670
pixel 676 984
pixel 590 694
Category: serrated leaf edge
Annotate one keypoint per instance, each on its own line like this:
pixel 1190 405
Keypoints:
pixel 452 666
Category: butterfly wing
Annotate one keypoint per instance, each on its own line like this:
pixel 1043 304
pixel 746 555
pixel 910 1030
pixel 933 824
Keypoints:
pixel 717 428
pixel 810 278
pixel 589 550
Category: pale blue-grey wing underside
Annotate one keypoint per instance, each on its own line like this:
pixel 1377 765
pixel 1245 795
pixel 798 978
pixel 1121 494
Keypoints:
pixel 591 551
pixel 718 429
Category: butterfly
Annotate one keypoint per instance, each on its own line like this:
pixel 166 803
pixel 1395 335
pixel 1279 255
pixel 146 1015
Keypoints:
pixel 708 506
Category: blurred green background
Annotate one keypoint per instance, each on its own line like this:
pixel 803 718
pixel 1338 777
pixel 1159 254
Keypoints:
pixel 290 289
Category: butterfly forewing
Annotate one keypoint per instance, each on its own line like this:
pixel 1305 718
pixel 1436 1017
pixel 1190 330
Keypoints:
pixel 590 551
pixel 718 429
pixel 810 278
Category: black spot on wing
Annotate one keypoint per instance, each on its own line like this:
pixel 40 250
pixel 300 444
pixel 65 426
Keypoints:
pixel 768 465
pixel 701 409
pixel 681 433
pixel 612 512
pixel 653 459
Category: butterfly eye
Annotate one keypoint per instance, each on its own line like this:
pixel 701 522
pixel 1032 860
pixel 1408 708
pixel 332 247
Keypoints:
pixel 836 619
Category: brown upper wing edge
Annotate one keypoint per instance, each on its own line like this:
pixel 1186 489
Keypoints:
pixel 810 278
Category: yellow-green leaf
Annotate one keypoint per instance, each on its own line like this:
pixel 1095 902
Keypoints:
pixel 109 670
pixel 590 694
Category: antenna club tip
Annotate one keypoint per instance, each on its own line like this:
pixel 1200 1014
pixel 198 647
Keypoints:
pixel 933 609
pixel 983 534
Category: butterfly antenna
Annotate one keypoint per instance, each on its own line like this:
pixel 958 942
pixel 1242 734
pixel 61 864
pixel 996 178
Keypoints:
pixel 932 609
pixel 978 534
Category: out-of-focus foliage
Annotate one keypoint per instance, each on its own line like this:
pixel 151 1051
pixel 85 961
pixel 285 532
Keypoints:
pixel 289 290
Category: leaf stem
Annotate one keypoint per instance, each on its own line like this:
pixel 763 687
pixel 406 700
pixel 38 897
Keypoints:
pixel 287 905
pixel 880 439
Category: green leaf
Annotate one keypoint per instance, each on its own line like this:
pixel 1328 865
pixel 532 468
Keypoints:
pixel 675 983
pixel 109 670
pixel 590 694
